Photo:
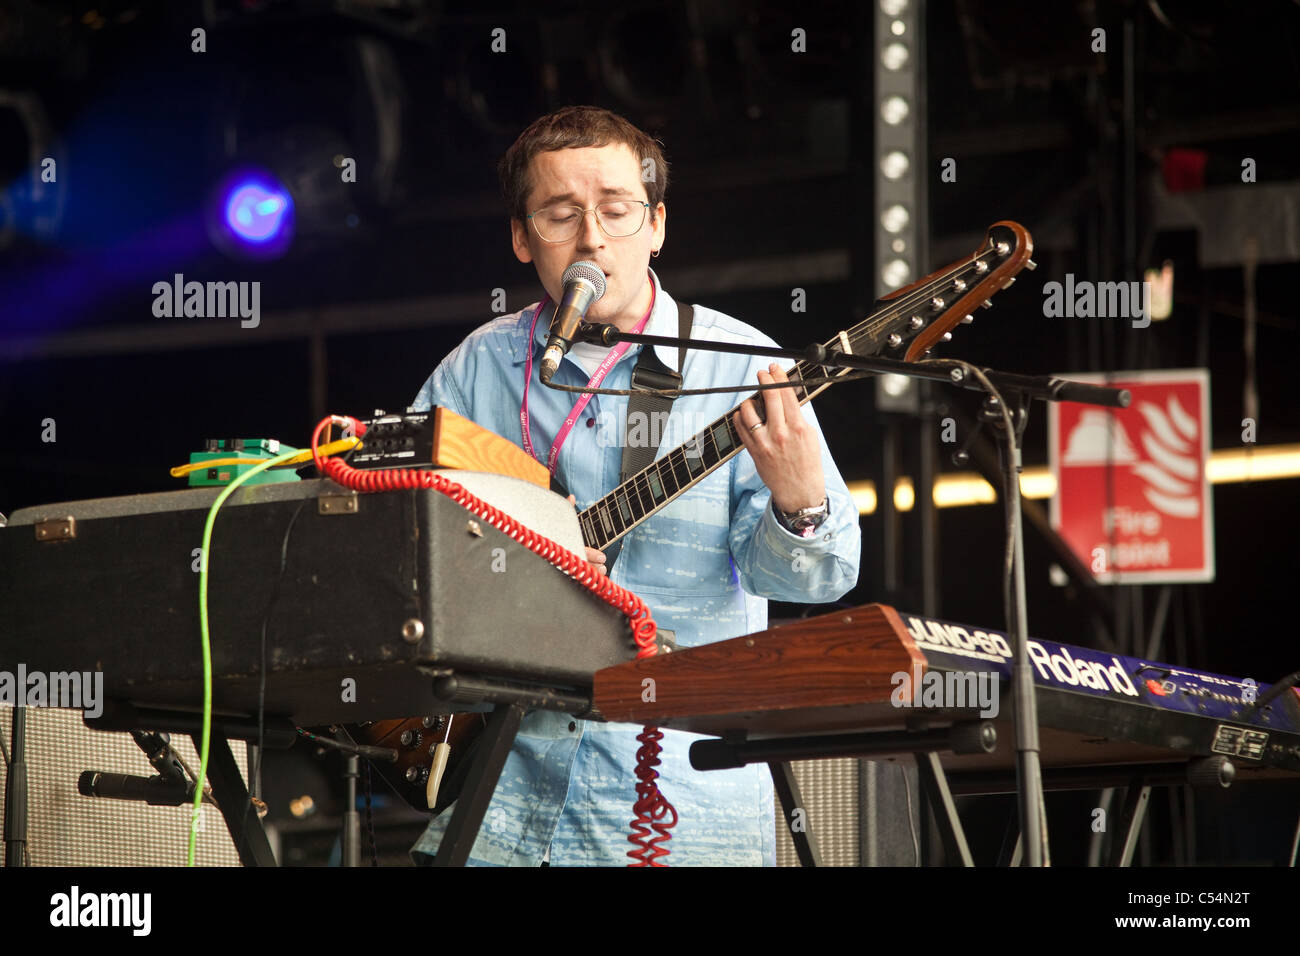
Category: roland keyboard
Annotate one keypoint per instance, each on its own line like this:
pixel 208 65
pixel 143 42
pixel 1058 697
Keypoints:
pixel 843 672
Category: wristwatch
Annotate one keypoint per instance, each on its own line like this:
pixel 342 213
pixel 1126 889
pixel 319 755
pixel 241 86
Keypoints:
pixel 805 521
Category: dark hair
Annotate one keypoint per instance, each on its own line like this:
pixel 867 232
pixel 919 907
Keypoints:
pixel 573 127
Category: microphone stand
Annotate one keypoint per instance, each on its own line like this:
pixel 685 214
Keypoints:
pixel 1016 391
pixel 15 828
pixel 350 837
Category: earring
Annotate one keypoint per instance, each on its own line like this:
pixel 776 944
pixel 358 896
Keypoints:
pixel 655 254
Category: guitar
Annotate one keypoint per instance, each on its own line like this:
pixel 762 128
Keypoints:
pixel 906 325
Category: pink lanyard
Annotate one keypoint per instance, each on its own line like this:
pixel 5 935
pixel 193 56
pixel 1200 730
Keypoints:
pixel 611 359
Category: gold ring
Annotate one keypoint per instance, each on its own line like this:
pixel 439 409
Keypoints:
pixel 754 428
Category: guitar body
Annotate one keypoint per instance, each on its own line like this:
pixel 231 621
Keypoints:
pixel 905 325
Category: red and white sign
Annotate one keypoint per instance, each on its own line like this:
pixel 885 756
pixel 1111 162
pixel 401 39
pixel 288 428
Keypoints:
pixel 1132 496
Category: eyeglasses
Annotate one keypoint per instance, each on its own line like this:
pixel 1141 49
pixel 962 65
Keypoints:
pixel 617 218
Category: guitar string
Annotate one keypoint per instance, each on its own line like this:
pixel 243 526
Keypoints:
pixel 640 481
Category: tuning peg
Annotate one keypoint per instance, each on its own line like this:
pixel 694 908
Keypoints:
pixel 967 319
pixel 1009 283
pixel 947 336
pixel 986 304
pixel 1031 265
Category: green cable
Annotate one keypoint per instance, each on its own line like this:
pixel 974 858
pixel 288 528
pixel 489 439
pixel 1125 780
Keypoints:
pixel 207 647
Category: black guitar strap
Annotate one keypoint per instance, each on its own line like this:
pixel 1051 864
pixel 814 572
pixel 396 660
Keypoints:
pixel 648 409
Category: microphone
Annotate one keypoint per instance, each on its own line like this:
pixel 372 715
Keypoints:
pixel 584 283
pixel 157 747
pixel 157 791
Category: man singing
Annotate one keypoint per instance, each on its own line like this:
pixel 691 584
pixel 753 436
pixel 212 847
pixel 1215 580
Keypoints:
pixel 776 521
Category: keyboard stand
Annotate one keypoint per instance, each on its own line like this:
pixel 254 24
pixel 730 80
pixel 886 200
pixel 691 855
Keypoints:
pixel 489 757
pixel 736 750
pixel 236 807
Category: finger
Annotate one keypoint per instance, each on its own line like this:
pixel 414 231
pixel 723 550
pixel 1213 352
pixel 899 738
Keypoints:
pixel 772 403
pixel 746 419
pixel 595 557
pixel 573 501
pixel 789 399
pixel 747 415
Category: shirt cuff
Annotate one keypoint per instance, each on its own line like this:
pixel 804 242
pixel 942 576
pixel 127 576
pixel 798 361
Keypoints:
pixel 783 541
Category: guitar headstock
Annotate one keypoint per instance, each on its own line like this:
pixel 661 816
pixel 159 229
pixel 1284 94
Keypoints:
pixel 919 316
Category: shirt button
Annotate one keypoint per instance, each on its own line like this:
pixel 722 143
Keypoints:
pixel 591 423
pixel 827 538
pixel 572 726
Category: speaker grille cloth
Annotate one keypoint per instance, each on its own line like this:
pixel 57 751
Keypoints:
pixel 66 829
pixel 830 790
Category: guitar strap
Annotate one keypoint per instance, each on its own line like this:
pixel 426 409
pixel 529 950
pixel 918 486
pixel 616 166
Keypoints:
pixel 649 409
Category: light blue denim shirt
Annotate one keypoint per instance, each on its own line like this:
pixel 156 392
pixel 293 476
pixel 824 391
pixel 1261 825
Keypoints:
pixel 706 565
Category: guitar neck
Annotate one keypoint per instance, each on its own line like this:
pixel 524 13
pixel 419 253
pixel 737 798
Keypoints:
pixel 906 325
pixel 656 485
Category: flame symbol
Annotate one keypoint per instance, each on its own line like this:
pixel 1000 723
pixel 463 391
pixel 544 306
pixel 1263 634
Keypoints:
pixel 1171 473
pixel 1169 440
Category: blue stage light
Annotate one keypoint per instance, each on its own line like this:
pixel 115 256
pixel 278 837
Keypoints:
pixel 254 215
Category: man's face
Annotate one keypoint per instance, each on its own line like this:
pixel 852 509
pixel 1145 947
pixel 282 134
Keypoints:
pixel 585 177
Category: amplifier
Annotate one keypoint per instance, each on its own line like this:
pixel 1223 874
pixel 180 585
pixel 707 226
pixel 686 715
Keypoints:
pixel 66 829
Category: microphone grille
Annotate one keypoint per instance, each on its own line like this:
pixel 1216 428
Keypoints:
pixel 589 271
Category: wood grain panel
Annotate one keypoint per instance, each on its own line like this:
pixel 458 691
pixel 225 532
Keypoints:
pixel 828 671
pixel 459 443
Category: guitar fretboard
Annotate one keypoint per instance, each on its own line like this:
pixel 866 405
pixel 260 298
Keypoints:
pixel 645 492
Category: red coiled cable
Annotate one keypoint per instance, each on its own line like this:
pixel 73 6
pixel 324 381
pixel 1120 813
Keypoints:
pixel 652 810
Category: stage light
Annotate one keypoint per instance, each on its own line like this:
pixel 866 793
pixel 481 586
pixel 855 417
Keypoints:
pixel 894 385
pixel 895 273
pixel 900 195
pixel 956 489
pixel 904 494
pixel 894 109
pixel 894 219
pixel 894 56
pixel 256 215
pixel 251 215
pixel 895 164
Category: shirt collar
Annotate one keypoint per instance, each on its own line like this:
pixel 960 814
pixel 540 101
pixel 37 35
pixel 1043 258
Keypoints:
pixel 663 321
